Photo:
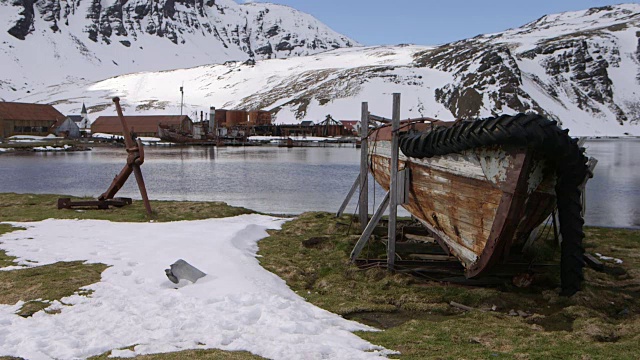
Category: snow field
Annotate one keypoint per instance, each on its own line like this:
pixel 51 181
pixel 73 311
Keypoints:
pixel 237 306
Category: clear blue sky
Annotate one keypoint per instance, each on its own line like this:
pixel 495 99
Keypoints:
pixel 430 22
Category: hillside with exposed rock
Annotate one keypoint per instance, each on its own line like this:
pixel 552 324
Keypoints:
pixel 52 41
pixel 581 68
pixel 578 59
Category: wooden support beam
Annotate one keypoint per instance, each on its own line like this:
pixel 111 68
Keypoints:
pixel 555 221
pixel 363 203
pixel 366 234
pixel 379 119
pixel 421 238
pixel 433 257
pixel 404 247
pixel 461 306
pixel 591 165
pixel 349 196
pixel 593 262
pixel 393 185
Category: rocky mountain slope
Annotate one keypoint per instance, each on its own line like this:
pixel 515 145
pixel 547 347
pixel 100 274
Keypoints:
pixel 581 68
pixel 52 41
pixel 589 60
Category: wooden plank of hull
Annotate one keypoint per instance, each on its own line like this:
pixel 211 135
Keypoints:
pixel 434 190
pixel 509 214
pixel 538 207
pixel 460 210
pixel 475 206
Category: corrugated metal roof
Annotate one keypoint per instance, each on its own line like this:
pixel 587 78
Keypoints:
pixel 29 112
pixel 139 124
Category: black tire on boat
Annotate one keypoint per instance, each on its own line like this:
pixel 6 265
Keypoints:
pixel 540 134
pixel 571 250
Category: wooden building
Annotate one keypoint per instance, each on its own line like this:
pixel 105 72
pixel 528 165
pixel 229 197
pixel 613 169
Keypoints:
pixel 352 127
pixel 144 125
pixel 27 119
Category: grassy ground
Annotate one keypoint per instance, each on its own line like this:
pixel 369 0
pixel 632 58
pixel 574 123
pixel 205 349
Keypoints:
pixel 28 207
pixel 600 322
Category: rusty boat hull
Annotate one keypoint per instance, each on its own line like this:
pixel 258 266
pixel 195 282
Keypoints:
pixel 478 203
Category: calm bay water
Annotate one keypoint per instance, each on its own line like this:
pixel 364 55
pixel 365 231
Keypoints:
pixel 281 180
pixel 613 195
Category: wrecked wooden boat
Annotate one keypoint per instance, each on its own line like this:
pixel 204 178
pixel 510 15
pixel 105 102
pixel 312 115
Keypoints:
pixel 169 134
pixel 483 186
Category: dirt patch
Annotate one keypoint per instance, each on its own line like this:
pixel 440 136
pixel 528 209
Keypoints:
pixel 553 322
pixel 315 242
pixel 387 320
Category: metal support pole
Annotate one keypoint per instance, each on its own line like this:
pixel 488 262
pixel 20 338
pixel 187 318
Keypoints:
pixel 363 202
pixel 393 185
pixel 181 98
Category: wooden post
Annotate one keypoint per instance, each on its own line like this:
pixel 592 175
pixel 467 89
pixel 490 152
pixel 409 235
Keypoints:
pixel 349 196
pixel 393 185
pixel 363 202
pixel 366 233
pixel 591 164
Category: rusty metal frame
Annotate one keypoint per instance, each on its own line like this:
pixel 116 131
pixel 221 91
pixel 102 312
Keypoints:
pixel 66 203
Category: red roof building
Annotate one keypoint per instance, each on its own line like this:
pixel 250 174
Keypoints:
pixel 144 125
pixel 353 126
pixel 28 119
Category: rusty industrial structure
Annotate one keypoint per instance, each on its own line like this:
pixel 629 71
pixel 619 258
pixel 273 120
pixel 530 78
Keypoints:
pixel 241 118
pixel 223 127
pixel 142 125
pixel 135 158
pixel 237 125
pixel 220 126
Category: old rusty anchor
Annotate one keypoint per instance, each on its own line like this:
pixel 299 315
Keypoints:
pixel 135 158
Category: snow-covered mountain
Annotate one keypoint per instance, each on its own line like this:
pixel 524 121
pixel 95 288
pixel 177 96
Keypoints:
pixel 45 42
pixel 581 68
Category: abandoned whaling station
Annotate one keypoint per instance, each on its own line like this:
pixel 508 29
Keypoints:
pixel 480 192
pixel 22 121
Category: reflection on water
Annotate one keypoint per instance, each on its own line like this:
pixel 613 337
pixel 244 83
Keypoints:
pixel 267 179
pixel 281 180
pixel 613 195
